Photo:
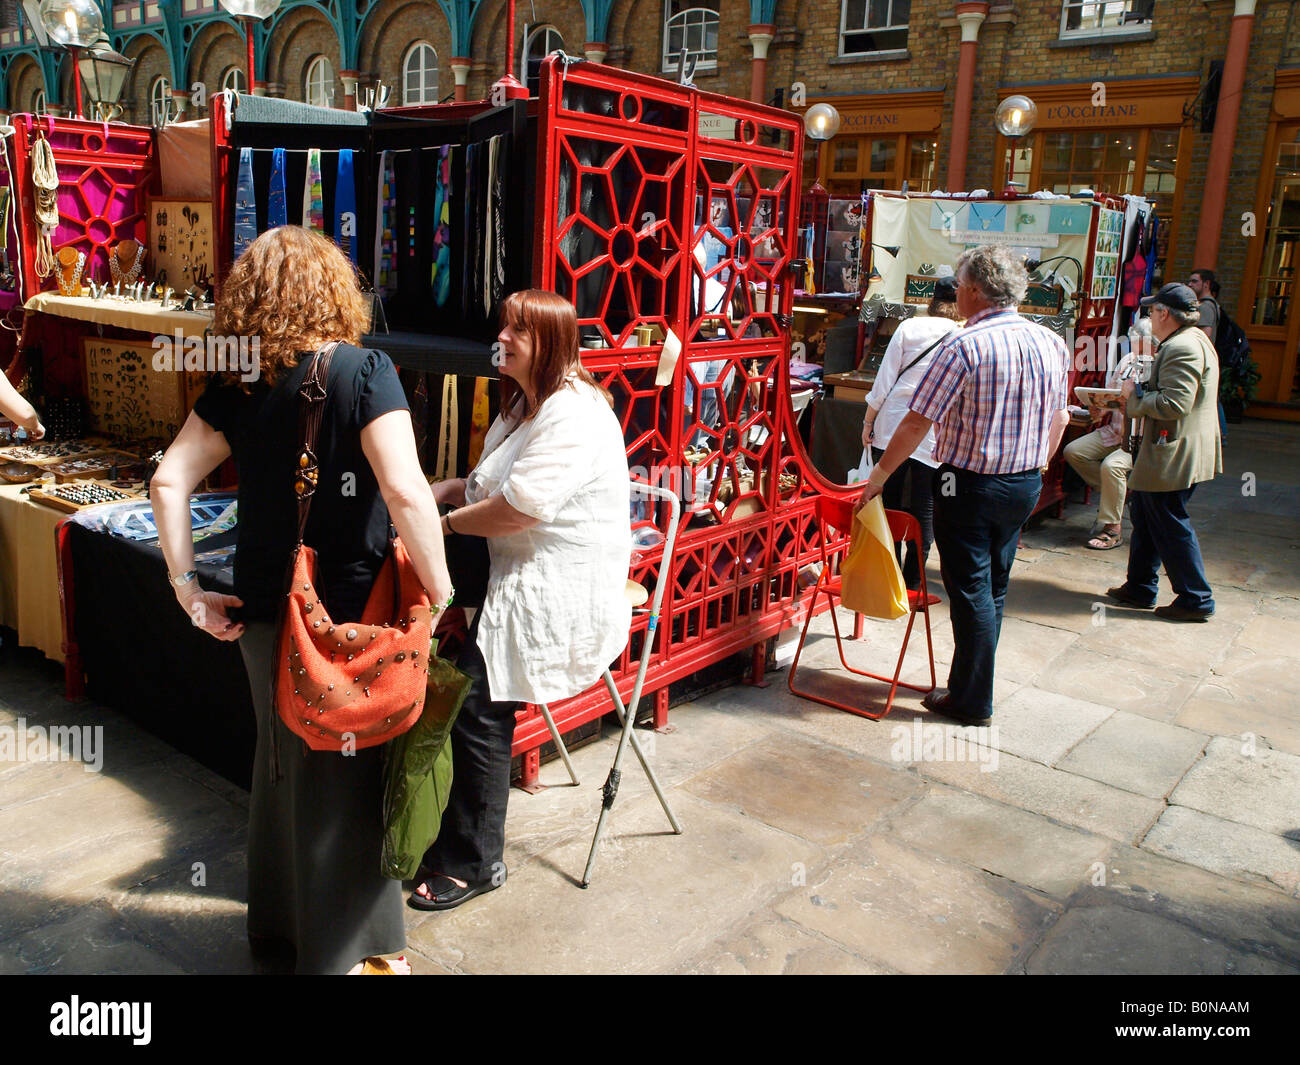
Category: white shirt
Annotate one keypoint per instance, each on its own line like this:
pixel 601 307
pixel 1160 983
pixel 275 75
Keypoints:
pixel 556 614
pixel 911 338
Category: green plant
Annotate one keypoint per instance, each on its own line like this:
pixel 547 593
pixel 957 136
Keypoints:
pixel 1238 383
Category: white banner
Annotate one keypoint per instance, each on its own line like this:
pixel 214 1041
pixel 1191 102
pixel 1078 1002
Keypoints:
pixel 1018 240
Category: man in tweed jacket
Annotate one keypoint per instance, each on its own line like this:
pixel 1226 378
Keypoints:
pixel 1181 447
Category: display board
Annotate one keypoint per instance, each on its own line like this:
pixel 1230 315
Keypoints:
pixel 1107 250
pixel 128 398
pixel 180 243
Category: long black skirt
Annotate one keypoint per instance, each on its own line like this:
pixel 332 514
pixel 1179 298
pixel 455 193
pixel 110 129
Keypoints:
pixel 314 839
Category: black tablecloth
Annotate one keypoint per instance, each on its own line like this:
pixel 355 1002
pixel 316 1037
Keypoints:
pixel 143 658
pixel 837 437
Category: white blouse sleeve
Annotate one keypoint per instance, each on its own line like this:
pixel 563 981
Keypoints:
pixel 555 461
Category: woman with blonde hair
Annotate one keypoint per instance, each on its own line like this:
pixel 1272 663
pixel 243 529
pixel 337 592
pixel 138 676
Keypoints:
pixel 315 833
pixel 550 494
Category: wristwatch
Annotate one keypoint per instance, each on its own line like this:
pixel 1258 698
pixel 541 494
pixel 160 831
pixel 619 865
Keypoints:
pixel 184 579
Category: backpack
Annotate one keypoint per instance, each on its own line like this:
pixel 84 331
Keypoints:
pixel 1230 342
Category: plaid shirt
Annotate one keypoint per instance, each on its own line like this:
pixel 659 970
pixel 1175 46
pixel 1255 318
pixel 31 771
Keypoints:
pixel 993 389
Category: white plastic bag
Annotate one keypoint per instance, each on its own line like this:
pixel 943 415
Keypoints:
pixel 864 469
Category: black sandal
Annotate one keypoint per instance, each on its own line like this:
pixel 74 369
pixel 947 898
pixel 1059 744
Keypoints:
pixel 452 895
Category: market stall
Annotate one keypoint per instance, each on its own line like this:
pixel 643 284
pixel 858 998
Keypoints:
pixel 606 190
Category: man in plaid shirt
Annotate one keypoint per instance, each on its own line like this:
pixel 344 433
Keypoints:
pixel 997 392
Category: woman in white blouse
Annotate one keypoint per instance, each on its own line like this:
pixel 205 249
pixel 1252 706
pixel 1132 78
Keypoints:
pixel 550 494
pixel 911 349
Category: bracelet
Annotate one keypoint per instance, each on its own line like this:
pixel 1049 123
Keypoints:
pixel 446 520
pixel 437 608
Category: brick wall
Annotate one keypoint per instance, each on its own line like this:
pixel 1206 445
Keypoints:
pixel 490 36
pixel 215 50
pixel 303 35
pixel 24 83
pixel 389 35
pixel 150 63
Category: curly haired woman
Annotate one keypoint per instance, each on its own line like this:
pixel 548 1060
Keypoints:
pixel 314 834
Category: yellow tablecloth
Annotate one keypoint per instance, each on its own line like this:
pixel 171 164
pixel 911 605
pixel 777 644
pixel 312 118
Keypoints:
pixel 145 317
pixel 29 574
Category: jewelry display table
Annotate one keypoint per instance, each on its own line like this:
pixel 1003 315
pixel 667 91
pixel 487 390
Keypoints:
pixel 145 317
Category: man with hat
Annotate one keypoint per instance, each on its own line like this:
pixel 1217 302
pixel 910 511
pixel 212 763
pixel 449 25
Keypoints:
pixel 1180 448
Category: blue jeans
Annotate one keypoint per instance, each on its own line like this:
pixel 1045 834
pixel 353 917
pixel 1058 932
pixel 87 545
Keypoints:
pixel 1162 532
pixel 977 520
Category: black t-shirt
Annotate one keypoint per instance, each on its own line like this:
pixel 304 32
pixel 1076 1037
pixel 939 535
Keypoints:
pixel 348 523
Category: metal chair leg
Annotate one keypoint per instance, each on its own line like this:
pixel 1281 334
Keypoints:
pixel 559 743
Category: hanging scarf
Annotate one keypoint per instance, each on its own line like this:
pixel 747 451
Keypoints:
pixel 490 238
pixel 345 207
pixel 478 425
pixel 277 206
pixel 386 199
pixel 441 275
pixel 496 286
pixel 313 195
pixel 245 203
pixel 444 466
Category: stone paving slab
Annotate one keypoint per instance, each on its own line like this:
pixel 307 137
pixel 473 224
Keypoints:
pixel 1237 710
pixel 1063 797
pixel 655 903
pixel 1114 941
pixel 1042 725
pixel 921 913
pixel 1227 848
pixel 1250 918
pixel 1136 754
pixel 1026 649
pixel 1266 652
pixel 1250 785
pixel 807 789
pixel 1002 840
pixel 777 947
pixel 1150 691
pixel 92 940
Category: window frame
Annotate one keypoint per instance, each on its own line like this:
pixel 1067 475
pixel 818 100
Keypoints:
pixel 669 63
pixel 39 106
pixel 866 28
pixel 327 84
pixel 238 73
pixel 155 119
pixel 530 35
pixel 425 95
pixel 1138 25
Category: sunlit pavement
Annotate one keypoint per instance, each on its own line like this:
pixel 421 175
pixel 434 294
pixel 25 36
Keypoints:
pixel 1136 810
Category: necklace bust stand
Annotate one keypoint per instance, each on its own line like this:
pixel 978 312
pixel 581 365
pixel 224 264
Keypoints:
pixel 68 265
pixel 124 261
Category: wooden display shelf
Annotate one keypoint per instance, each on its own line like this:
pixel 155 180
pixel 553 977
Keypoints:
pixel 853 385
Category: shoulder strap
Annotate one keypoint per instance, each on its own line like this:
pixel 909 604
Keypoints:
pixel 923 355
pixel 311 407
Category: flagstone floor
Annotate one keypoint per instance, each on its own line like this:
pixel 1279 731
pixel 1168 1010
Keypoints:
pixel 1137 809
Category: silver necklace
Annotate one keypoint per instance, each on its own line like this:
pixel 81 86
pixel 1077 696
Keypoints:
pixel 134 272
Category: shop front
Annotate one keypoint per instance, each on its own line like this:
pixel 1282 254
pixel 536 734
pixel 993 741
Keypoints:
pixel 1266 307
pixel 886 141
pixel 1117 138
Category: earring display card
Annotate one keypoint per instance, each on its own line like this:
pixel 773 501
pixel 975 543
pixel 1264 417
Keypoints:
pixel 180 242
pixel 128 398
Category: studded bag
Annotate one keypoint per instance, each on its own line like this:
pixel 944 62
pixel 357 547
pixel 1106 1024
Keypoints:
pixel 347 684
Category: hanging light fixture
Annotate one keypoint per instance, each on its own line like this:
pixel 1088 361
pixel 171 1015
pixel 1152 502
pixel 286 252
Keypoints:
pixel 248 12
pixel 75 24
pixel 1015 117
pixel 104 71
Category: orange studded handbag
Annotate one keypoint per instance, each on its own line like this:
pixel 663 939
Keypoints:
pixel 346 685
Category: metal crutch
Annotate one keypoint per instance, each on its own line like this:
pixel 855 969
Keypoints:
pixel 627 715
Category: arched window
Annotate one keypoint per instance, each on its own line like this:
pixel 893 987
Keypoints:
pixel 320 82
pixel 693 25
pixel 235 80
pixel 420 74
pixel 540 42
pixel 38 103
pixel 160 101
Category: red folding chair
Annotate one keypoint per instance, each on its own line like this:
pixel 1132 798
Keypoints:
pixel 838 514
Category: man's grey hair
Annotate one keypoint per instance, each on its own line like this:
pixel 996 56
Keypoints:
pixel 999 275
pixel 1185 317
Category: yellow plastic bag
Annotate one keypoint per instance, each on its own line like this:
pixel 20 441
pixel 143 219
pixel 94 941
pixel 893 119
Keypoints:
pixel 872 582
